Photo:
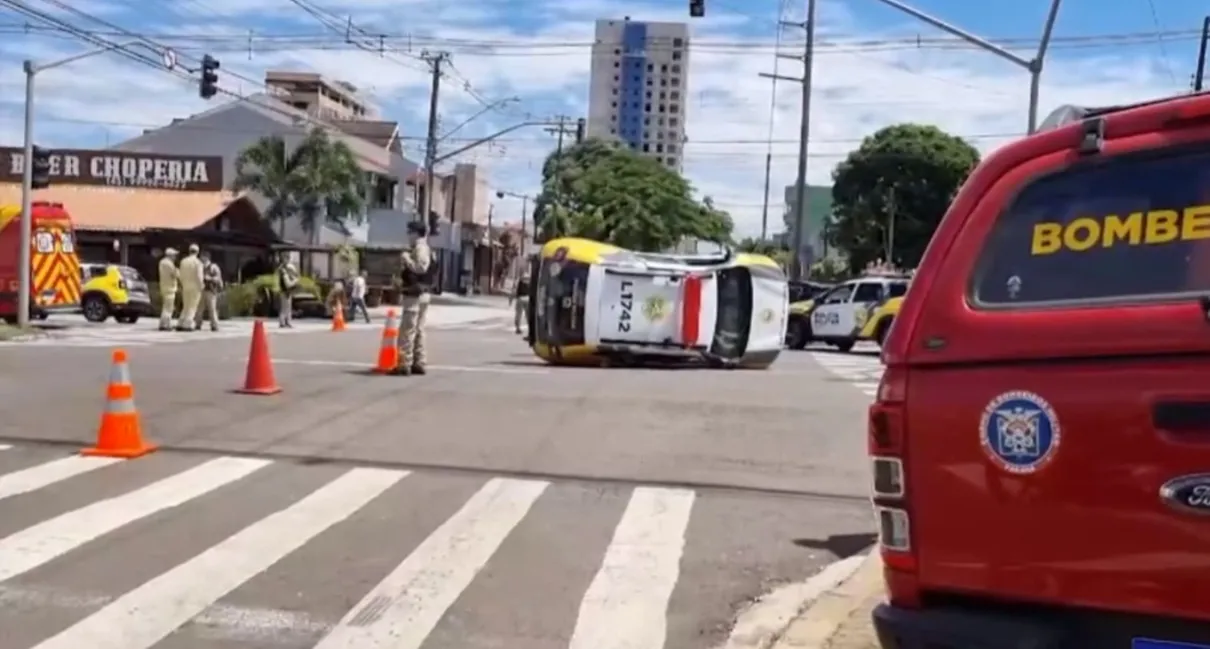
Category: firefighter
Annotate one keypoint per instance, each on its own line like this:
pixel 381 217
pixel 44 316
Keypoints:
pixel 212 287
pixel 287 281
pixel 417 279
pixel 169 278
pixel 191 288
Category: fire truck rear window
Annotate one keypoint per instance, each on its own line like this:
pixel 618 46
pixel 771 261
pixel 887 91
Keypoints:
pixel 1128 230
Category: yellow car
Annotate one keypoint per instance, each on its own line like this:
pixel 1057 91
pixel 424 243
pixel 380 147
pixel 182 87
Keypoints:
pixel 113 290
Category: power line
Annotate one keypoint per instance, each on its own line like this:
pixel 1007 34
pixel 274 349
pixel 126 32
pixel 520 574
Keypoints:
pixel 407 44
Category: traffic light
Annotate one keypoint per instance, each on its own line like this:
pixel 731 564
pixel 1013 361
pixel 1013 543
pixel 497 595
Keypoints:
pixel 697 8
pixel 580 124
pixel 41 168
pixel 209 83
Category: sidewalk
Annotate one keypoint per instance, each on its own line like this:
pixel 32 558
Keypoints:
pixel 840 619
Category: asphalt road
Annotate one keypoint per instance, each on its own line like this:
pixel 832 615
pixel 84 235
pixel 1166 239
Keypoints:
pixel 495 502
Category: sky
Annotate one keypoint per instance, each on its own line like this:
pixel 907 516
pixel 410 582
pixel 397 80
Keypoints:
pixel 515 61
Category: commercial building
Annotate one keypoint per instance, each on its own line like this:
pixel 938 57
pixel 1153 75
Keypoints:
pixel 295 103
pixel 639 86
pixel 813 221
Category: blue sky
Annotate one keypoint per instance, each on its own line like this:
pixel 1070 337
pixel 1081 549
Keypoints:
pixel 875 66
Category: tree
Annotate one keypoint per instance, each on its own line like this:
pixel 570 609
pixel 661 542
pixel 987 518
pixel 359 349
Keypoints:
pixel 893 191
pixel 319 178
pixel 602 191
pixel 775 250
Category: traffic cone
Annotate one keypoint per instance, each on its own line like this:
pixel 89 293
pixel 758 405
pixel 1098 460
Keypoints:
pixel 338 317
pixel 259 378
pixel 388 351
pixel 121 433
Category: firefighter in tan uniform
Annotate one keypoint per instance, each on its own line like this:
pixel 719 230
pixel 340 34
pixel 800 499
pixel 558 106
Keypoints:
pixel 191 289
pixel 212 287
pixel 417 278
pixel 169 277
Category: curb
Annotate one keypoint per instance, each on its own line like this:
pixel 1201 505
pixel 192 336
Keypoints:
pixel 839 619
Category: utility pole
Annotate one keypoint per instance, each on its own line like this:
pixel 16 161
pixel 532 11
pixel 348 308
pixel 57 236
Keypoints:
pixel 436 61
pixel 764 210
pixel 804 138
pixel 1201 56
pixel 560 129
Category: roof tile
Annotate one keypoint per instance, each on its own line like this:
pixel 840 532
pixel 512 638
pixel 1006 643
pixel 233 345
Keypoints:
pixel 128 210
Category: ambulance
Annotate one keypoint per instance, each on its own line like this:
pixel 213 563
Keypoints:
pixel 592 303
pixel 54 265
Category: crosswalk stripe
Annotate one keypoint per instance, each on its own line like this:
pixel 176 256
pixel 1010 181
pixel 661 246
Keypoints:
pixel 34 546
pixel 149 613
pixel 626 604
pixel 407 605
pixel 43 475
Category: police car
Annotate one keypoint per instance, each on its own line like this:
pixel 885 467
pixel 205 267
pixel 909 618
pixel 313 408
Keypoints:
pixel 837 317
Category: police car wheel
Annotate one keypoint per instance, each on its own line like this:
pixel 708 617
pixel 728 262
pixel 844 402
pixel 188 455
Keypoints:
pixel 96 308
pixel 845 346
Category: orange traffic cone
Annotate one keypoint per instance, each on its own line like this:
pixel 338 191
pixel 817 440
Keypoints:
pixel 338 317
pixel 388 351
pixel 259 378
pixel 121 433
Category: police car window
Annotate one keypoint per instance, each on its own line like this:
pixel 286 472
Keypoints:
pixel 839 295
pixel 868 292
pixel 897 289
pixel 1125 230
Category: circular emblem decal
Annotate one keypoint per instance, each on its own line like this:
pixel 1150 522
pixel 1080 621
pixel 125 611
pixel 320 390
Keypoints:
pixel 655 308
pixel 767 315
pixel 1020 432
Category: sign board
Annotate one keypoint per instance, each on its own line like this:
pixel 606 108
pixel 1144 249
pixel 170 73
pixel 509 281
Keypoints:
pixel 121 169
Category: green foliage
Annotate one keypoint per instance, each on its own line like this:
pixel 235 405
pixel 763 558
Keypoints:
pixel 320 177
pixel 600 190
pixel 908 171
pixel 829 270
pixel 769 248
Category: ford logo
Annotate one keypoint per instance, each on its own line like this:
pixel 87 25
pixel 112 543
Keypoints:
pixel 1190 493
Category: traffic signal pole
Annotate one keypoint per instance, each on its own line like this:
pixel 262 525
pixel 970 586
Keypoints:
pixel 24 279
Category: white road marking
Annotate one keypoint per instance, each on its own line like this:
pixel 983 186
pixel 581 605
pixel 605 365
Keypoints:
pixel 149 613
pixel 406 606
pixel 760 624
pixel 37 477
pixel 439 368
pixel 46 541
pixel 626 605
pixel 219 622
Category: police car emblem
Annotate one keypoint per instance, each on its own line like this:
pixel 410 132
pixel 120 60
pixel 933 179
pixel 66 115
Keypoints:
pixel 1020 432
pixel 655 308
pixel 767 315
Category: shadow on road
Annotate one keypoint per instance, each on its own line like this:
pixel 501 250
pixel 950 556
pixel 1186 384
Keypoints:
pixel 840 545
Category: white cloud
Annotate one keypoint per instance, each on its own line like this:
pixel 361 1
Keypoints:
pixel 538 52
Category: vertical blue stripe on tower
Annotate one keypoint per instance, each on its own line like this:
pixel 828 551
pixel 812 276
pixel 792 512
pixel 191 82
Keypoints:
pixel 633 84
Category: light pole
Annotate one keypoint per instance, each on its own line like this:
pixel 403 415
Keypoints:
pixel 27 171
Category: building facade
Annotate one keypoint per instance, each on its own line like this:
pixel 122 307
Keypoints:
pixel 639 87
pixel 813 221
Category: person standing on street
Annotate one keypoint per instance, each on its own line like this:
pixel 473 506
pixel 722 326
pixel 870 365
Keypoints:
pixel 169 278
pixel 287 281
pixel 357 297
pixel 191 289
pixel 212 287
pixel 520 301
pixel 417 278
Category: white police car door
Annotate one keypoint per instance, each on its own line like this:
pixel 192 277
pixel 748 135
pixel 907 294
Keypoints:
pixel 866 295
pixel 834 315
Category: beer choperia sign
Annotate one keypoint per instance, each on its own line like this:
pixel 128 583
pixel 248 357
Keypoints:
pixel 121 169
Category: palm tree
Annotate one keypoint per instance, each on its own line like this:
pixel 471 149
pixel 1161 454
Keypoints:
pixel 320 177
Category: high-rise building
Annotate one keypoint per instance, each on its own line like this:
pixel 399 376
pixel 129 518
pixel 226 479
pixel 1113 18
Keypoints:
pixel 639 86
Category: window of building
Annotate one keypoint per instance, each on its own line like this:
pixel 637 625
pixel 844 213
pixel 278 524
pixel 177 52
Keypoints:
pixel 672 121
pixel 676 82
pixel 613 118
pixel 676 94
pixel 662 108
pixel 615 92
pixel 676 69
pixel 646 147
pixel 659 148
pixel 646 121
pixel 650 67
pixel 671 162
pixel 647 108
pixel 676 56
pixel 613 104
pixel 615 78
pixel 664 83
pixel 663 95
pixel 663 68
pixel 671 148
pixel 617 52
pixel 659 135
pixel 678 42
pixel 649 94
pixel 648 82
pixel 673 108
pixel 616 64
